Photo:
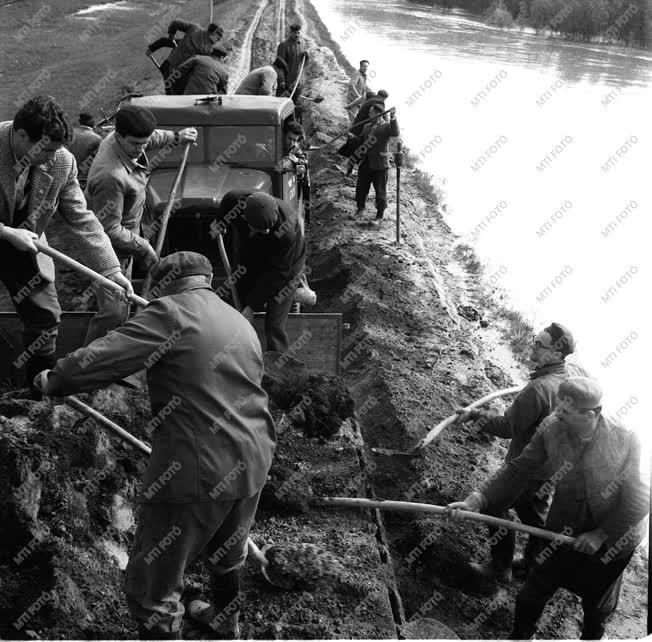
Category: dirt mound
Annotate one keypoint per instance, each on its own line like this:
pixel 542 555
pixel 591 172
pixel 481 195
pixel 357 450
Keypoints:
pixel 302 566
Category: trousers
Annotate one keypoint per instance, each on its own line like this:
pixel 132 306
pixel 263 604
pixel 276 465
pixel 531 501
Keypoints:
pixel 597 583
pixel 171 536
pixel 366 178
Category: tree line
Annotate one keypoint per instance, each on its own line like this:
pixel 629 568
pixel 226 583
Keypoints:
pixel 625 21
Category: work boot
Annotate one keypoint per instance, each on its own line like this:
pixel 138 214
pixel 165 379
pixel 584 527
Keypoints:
pixel 37 363
pixel 359 212
pixel 379 215
pixel 222 626
pixel 488 571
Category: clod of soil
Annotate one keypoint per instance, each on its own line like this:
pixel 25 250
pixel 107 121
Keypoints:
pixel 302 566
pixel 287 490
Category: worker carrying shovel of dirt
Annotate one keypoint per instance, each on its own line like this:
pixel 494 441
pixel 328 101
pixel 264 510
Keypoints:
pixel 116 189
pixel 38 176
pixel 210 450
pixel 601 498
pixel 271 254
pixel 533 404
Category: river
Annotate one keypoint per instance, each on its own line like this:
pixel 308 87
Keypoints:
pixel 539 145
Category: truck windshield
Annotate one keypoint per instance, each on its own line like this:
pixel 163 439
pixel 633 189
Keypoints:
pixel 250 145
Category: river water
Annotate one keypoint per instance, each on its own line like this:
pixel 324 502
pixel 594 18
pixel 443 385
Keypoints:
pixel 539 146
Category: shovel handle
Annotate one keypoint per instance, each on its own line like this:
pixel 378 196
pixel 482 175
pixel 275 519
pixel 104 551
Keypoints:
pixel 414 507
pixel 453 419
pixel 227 269
pixel 256 553
pixel 82 269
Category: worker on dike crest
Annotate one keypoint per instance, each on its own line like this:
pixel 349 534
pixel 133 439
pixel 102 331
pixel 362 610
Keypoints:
pixel 38 176
pixel 601 498
pixel 211 450
pixel 519 423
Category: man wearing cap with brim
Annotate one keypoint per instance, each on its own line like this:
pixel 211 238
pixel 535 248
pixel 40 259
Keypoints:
pixel 264 81
pixel 271 249
pixel 212 445
pixel 519 423
pixel 601 499
pixel 196 41
pixel 293 50
pixel 116 190
pixel 204 74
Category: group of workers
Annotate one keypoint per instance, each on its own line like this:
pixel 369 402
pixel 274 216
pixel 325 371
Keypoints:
pixel 201 350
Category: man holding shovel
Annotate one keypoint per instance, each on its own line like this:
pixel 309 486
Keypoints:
pixel 293 50
pixel 532 405
pixel 600 497
pixel 38 176
pixel 116 190
pixel 211 449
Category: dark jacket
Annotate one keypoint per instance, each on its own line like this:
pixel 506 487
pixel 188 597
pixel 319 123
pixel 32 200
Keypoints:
pixel 363 114
pixel 203 75
pixel 292 53
pixel 374 141
pixel 271 261
pixel 54 188
pixel 83 147
pixel 599 485
pixel 196 42
pixel 213 436
pixel 530 407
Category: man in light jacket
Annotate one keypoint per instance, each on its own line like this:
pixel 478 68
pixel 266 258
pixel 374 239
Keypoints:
pixel 357 90
pixel 264 81
pixel 601 498
pixel 116 191
pixel 211 448
pixel 38 176
pixel 519 423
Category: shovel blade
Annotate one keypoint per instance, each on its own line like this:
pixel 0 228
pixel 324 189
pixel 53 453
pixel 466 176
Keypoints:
pixel 392 453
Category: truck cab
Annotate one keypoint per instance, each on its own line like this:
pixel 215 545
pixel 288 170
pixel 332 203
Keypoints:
pixel 240 145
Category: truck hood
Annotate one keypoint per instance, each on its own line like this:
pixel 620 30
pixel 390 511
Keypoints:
pixel 203 186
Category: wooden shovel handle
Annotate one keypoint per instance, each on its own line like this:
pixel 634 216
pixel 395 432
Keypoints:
pixel 82 269
pixel 227 269
pixel 453 419
pixel 414 507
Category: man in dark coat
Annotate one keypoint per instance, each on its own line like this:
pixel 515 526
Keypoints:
pixel 38 176
pixel 519 423
pixel 84 146
pixel 374 161
pixel 271 249
pixel 601 498
pixel 197 41
pixel 212 443
pixel 204 74
pixel 372 99
pixel 164 67
pixel 292 51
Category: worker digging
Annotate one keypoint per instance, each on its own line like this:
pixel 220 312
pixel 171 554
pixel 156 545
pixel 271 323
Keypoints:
pixel 232 407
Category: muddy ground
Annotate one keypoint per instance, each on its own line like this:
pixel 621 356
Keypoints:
pixel 426 333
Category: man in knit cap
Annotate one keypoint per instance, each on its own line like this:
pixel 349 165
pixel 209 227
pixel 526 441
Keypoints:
pixel 264 81
pixel 519 423
pixel 116 190
pixel 210 452
pixel 601 498
pixel 272 250
pixel 204 74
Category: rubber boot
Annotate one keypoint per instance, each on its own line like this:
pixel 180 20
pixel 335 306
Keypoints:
pixel 227 600
pixel 37 363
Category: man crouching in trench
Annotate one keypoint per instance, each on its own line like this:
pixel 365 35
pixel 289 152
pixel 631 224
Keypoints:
pixel 211 450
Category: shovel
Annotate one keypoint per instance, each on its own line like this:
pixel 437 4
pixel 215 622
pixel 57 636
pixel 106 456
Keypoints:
pixel 415 507
pixel 316 99
pixel 449 421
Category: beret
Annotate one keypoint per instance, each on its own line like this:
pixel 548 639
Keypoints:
pixel 583 391
pixel 180 264
pixel 562 339
pixel 261 211
pixel 132 120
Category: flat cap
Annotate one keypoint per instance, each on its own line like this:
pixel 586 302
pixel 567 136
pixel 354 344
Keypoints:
pixel 180 264
pixel 261 211
pixel 584 392
pixel 562 338
pixel 132 120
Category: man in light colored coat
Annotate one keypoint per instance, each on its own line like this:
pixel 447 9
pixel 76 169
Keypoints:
pixel 601 498
pixel 264 81
pixel 38 176
pixel 204 74
pixel 212 444
pixel 116 191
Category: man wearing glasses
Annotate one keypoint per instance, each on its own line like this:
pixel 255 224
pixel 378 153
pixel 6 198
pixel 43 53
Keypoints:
pixel 601 499
pixel 519 423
